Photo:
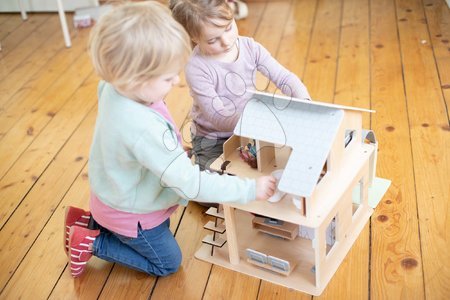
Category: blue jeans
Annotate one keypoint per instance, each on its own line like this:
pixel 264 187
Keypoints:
pixel 154 251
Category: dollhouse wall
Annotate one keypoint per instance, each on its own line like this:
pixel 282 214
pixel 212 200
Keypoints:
pixel 265 155
pixel 352 122
pixel 346 220
pixel 339 158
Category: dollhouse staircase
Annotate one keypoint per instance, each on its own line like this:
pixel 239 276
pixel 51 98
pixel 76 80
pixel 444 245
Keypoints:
pixel 217 227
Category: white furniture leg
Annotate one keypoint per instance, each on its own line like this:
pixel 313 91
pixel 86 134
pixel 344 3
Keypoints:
pixel 65 29
pixel 22 10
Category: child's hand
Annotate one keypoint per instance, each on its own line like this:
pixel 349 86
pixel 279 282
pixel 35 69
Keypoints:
pixel 265 187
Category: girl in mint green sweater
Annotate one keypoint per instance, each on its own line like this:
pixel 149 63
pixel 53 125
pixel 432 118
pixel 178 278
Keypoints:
pixel 138 170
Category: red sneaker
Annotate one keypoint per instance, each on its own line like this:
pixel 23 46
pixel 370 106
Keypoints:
pixel 80 248
pixel 74 216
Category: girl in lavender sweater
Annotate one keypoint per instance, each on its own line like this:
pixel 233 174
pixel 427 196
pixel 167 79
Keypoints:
pixel 222 72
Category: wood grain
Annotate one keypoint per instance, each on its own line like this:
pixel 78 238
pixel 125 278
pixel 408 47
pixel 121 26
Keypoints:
pixel 395 238
pixel 351 280
pixel 436 16
pixel 389 55
pixel 430 144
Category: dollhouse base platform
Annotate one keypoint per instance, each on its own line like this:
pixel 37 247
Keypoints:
pixel 299 251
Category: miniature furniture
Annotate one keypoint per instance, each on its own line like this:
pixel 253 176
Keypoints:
pixel 330 188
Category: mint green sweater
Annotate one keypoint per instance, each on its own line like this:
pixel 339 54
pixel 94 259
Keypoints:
pixel 137 165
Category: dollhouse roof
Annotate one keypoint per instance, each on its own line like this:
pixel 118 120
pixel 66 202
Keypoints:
pixel 308 127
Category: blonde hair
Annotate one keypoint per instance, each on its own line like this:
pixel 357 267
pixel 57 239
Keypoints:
pixel 193 14
pixel 135 42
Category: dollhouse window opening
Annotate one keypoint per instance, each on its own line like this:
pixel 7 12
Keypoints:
pixel 306 232
pixel 349 137
pixel 357 197
pixel 369 138
pixel 324 171
pixel 330 234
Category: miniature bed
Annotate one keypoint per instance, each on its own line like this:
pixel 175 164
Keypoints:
pixel 328 188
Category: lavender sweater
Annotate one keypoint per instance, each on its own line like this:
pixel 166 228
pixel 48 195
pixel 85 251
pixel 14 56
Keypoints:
pixel 220 90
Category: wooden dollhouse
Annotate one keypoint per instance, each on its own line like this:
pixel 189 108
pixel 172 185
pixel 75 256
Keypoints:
pixel 328 165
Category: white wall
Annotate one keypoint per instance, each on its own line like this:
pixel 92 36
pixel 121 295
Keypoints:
pixel 43 5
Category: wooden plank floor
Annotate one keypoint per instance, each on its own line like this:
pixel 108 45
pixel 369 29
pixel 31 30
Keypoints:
pixel 392 56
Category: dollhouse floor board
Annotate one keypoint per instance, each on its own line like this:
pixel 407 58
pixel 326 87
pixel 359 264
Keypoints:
pixel 388 55
pixel 294 251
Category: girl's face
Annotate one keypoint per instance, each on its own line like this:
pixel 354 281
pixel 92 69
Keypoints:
pixel 219 41
pixel 155 89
